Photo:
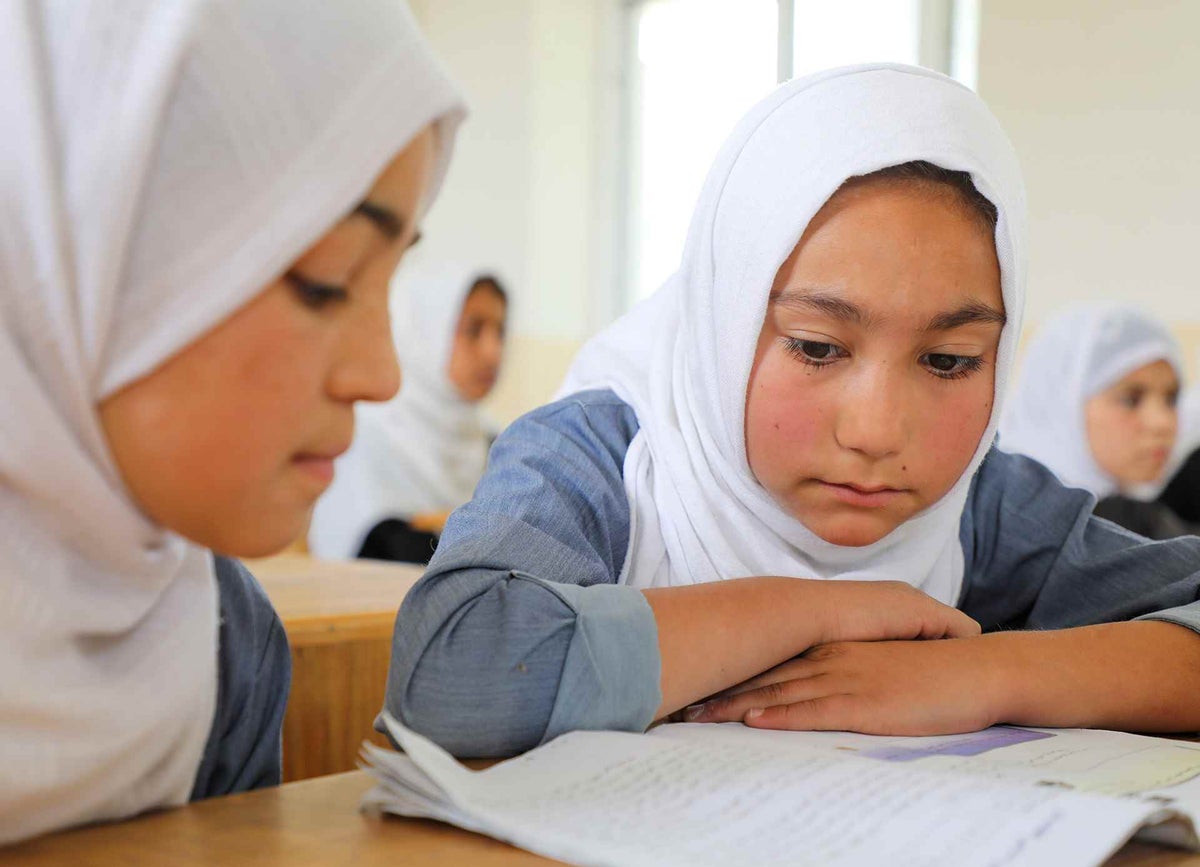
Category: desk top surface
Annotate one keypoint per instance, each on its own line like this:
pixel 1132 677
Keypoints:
pixel 323 600
pixel 316 822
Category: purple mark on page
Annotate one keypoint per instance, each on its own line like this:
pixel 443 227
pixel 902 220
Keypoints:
pixel 958 745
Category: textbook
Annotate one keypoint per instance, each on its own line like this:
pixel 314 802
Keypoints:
pixel 709 794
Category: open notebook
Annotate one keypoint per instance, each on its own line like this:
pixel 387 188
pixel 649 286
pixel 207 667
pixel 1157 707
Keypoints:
pixel 729 795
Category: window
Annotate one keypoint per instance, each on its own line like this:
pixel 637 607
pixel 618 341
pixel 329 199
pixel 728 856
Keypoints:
pixel 699 65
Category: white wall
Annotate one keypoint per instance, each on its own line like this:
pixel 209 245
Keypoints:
pixel 1102 100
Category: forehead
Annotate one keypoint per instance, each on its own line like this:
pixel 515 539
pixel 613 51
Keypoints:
pixel 483 301
pixel 403 180
pixel 898 251
pixel 1155 374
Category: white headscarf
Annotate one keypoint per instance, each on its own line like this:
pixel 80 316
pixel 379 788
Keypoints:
pixel 426 449
pixel 160 164
pixel 682 359
pixel 1075 356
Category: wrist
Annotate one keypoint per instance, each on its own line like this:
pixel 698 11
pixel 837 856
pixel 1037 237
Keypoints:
pixel 1010 687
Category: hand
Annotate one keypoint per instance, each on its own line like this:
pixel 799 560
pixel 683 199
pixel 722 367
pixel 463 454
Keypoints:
pixel 430 522
pixel 886 610
pixel 883 688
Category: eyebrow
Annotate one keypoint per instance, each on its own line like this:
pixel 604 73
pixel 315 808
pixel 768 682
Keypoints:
pixel 830 304
pixel 824 303
pixel 971 313
pixel 382 217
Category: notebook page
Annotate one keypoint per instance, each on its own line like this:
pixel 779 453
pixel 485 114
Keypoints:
pixel 607 798
pixel 1102 762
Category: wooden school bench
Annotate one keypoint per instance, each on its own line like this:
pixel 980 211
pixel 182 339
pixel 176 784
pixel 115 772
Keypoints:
pixel 314 823
pixel 338 617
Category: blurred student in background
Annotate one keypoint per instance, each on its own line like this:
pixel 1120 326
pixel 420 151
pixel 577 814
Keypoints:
pixel 419 457
pixel 1096 404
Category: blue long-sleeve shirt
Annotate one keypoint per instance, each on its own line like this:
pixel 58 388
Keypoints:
pixel 519 632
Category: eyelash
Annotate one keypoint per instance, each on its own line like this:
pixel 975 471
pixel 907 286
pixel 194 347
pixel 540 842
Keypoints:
pixel 314 295
pixel 799 349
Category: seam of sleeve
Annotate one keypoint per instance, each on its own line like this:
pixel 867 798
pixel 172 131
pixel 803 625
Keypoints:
pixel 622 689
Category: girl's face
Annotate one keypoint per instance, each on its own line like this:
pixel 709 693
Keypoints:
pixel 1131 426
pixel 478 343
pixel 230 441
pixel 874 374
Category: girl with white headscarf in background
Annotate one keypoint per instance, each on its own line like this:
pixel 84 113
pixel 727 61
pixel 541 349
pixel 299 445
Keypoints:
pixel 419 456
pixel 767 482
pixel 203 204
pixel 1096 405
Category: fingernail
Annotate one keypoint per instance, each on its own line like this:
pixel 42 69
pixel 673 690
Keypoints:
pixel 694 712
pixel 754 713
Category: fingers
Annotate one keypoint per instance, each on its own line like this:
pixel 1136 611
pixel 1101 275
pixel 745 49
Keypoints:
pixel 733 707
pixel 958 625
pixel 825 713
pixel 793 668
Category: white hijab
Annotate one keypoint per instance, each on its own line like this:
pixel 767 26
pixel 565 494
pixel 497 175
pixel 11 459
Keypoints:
pixel 160 164
pixel 1075 356
pixel 682 359
pixel 426 449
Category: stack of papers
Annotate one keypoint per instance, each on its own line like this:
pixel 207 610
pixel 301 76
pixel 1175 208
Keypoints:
pixel 704 794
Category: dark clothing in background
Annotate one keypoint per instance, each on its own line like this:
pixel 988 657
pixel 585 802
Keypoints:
pixel 396 540
pixel 1182 495
pixel 1154 520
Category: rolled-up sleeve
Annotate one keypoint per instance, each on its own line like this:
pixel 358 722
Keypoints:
pixel 519 630
pixel 1037 558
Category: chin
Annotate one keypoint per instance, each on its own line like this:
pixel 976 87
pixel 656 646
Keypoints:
pixel 254 539
pixel 851 532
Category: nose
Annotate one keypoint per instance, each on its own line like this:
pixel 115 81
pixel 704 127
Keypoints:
pixel 1160 417
pixel 367 367
pixel 493 347
pixel 872 415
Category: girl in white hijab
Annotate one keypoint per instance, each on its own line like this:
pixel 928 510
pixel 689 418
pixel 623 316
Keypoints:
pixel 203 202
pixel 769 479
pixel 420 455
pixel 1096 405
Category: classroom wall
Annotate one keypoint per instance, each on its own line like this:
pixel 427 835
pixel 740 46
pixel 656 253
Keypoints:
pixel 1102 100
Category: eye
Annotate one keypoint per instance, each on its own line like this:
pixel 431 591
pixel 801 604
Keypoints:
pixel 1130 399
pixel 814 352
pixel 314 295
pixel 946 366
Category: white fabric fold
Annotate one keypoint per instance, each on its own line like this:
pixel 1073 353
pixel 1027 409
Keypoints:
pixel 160 164
pixel 426 449
pixel 1075 356
pixel 682 358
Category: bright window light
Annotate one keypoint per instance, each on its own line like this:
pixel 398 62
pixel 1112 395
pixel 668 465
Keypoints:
pixel 854 31
pixel 701 65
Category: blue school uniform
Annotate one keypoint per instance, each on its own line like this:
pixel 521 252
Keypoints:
pixel 254 672
pixel 519 631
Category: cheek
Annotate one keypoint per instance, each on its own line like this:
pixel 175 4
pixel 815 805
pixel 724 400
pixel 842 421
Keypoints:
pixel 788 420
pixel 950 426
pixel 205 439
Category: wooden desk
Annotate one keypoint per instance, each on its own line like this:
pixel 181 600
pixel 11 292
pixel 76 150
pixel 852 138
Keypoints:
pixel 315 823
pixel 338 617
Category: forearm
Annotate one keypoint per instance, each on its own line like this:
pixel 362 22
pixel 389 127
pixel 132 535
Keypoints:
pixel 1134 676
pixel 712 636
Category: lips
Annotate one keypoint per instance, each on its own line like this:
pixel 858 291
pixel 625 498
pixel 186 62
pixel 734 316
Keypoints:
pixel 318 463
pixel 862 496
